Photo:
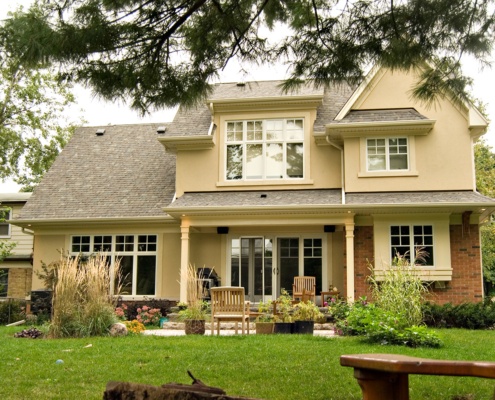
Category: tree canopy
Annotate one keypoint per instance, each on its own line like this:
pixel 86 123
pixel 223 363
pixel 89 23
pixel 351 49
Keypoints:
pixel 33 128
pixel 160 53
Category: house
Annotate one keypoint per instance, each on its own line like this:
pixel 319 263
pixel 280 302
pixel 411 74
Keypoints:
pixel 263 186
pixel 17 268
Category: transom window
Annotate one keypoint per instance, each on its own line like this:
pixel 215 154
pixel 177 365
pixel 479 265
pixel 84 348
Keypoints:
pixel 406 239
pixel 265 149
pixel 4 226
pixel 389 154
pixel 137 255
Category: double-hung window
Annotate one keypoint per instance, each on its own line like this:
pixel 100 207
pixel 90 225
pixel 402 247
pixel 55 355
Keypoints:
pixel 390 154
pixel 407 239
pixel 137 255
pixel 265 149
pixel 4 226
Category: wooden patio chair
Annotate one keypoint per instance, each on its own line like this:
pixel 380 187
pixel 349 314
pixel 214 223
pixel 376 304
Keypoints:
pixel 228 305
pixel 304 288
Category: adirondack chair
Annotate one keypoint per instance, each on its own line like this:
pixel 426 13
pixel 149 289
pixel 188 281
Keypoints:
pixel 304 286
pixel 228 305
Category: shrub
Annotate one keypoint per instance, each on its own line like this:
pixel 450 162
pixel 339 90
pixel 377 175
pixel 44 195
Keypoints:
pixel 338 309
pixel 400 290
pixel 11 311
pixel 467 315
pixel 82 301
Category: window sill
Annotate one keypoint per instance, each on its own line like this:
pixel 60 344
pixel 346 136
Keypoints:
pixel 265 182
pixel 387 174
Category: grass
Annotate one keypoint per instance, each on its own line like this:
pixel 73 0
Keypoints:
pixel 269 367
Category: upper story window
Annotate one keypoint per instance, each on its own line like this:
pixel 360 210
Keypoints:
pixel 407 239
pixel 265 149
pixel 4 226
pixel 390 154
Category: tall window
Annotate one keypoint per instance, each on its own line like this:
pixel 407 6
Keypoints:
pixel 265 149
pixel 137 255
pixel 406 239
pixel 387 154
pixel 4 226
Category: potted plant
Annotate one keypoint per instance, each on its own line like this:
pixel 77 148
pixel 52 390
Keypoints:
pixel 194 316
pixel 264 321
pixel 305 314
pixel 283 315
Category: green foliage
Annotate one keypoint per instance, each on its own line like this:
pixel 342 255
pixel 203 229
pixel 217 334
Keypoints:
pixel 11 311
pixel 400 290
pixel 284 307
pixel 199 310
pixel 467 315
pixel 33 128
pixel 162 53
pixel 306 311
pixel 82 304
pixel 338 308
pixel 264 308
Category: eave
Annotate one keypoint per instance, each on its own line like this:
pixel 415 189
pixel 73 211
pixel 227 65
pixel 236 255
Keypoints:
pixel 91 222
pixel 197 142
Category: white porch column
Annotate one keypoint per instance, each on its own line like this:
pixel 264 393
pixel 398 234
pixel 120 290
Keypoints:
pixel 184 259
pixel 349 245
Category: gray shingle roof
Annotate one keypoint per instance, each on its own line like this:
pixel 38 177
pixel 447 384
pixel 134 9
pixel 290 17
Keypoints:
pixel 437 198
pixel 255 198
pixel 259 89
pixel 323 197
pixel 334 99
pixel 124 173
pixel 382 115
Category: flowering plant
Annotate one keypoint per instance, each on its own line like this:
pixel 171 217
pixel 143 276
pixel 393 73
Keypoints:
pixel 134 326
pixel 148 316
pixel 121 312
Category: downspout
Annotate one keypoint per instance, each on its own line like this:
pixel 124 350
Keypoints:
pixel 342 175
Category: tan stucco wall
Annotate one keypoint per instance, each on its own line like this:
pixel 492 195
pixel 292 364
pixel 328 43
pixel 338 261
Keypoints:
pixel 168 286
pixel 443 158
pixel 46 249
pixel 202 170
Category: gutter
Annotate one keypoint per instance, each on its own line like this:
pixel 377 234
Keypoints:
pixel 342 174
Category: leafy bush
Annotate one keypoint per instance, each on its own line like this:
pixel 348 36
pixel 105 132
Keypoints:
pixel 400 289
pixel 149 316
pixel 135 327
pixel 11 311
pixel 467 315
pixel 338 309
pixel 381 326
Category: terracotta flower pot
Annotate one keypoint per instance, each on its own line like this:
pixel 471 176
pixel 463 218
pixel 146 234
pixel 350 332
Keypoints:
pixel 264 328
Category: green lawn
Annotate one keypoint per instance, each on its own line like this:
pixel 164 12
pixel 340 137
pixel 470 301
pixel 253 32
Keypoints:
pixel 266 367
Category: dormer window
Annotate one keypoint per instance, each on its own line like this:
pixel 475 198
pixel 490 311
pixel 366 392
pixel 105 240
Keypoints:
pixel 265 149
pixel 390 154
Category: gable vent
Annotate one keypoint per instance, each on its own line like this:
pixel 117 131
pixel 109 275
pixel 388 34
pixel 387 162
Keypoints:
pixel 100 132
pixel 161 130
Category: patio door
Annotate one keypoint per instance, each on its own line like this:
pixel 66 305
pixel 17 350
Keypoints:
pixel 251 266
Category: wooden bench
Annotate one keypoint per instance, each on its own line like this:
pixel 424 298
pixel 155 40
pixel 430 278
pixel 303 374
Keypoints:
pixel 386 376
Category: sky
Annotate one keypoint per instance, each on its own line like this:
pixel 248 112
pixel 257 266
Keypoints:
pixel 98 112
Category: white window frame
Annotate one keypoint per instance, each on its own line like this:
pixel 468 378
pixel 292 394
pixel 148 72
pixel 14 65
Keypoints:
pixel 412 245
pixel 387 154
pixel 115 254
pixel 6 213
pixel 264 142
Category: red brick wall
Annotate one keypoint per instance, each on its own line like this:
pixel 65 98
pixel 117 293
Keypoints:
pixel 465 253
pixel 466 284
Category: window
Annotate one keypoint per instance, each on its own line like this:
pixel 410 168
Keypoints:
pixel 4 226
pixel 265 149
pixel 387 154
pixel 137 255
pixel 406 239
